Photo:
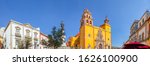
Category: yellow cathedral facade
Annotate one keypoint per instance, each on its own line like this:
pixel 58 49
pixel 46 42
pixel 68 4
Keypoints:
pixel 90 36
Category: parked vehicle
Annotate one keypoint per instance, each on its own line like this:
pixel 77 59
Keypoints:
pixel 135 45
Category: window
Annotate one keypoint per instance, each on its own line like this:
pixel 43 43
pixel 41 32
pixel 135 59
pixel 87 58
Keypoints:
pixel 143 36
pixel 143 20
pixel 89 35
pixel 35 34
pixel 136 27
pixel 76 46
pixel 89 17
pixel 28 33
pixel 90 22
pixel 17 33
pixel 87 21
pixel 100 46
pixel 140 38
pixel 140 24
pixel 17 29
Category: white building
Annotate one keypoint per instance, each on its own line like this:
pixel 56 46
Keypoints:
pixel 18 36
pixel 1 36
pixel 2 31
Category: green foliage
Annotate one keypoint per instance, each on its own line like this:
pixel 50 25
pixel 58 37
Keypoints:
pixel 55 38
pixel 20 45
pixel 27 42
pixel 44 42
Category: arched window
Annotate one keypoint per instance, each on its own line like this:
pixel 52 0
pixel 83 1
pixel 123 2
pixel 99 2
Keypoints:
pixel 17 33
pixel 87 21
pixel 90 22
pixel 18 29
pixel 27 33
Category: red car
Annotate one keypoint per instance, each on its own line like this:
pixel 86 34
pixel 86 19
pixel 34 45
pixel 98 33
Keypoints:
pixel 135 45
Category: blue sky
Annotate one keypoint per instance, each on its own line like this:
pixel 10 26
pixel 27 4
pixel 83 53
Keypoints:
pixel 48 13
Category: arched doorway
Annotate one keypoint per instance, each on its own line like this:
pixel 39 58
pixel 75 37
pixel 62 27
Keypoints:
pixel 99 40
pixel 100 46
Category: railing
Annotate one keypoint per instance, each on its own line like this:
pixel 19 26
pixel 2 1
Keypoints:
pixel 17 34
pixel 27 37
pixel 36 39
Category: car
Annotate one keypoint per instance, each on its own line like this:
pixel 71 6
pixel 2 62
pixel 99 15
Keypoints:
pixel 135 45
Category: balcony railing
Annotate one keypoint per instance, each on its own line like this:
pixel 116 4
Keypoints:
pixel 36 39
pixel 27 36
pixel 17 34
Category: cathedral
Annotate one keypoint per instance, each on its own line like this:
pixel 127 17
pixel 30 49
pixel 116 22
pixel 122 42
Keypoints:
pixel 90 36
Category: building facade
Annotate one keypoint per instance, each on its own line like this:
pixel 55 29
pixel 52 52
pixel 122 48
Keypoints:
pixel 133 29
pixel 43 41
pixel 19 36
pixel 140 30
pixel 90 36
pixel 1 37
pixel 1 41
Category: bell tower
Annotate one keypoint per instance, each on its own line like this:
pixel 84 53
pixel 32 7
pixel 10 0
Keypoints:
pixel 86 30
pixel 86 18
pixel 107 30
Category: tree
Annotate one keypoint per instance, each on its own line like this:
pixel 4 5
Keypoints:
pixel 27 42
pixel 44 42
pixel 56 38
pixel 20 44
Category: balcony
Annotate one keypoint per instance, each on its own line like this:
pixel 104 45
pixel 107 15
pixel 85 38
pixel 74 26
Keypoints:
pixel 27 36
pixel 17 34
pixel 36 39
